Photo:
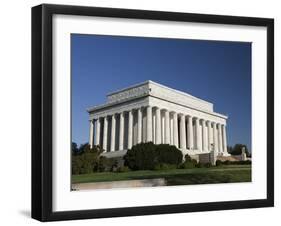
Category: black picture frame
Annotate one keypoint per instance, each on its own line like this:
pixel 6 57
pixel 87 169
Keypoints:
pixel 42 111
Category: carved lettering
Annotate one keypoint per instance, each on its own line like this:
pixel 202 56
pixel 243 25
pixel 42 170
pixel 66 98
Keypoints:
pixel 134 92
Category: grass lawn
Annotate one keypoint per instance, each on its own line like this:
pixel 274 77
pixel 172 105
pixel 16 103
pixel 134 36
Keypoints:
pixel 221 174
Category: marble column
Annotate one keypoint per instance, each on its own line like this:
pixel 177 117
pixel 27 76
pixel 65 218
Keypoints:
pixel 105 126
pixel 224 139
pixel 97 137
pixel 209 136
pixel 167 127
pixel 130 130
pixel 91 140
pixel 204 135
pixel 158 126
pixel 121 132
pixel 149 123
pixel 215 137
pixel 198 135
pixel 113 131
pixel 175 128
pixel 139 140
pixel 220 138
pixel 190 133
pixel 182 132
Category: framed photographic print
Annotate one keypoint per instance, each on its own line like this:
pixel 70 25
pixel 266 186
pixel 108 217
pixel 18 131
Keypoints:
pixel 145 112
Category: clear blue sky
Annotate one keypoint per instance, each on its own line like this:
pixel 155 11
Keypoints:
pixel 219 72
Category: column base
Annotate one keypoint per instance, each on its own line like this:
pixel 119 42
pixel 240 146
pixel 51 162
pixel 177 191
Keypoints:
pixel 193 151
pixel 114 154
pixel 224 154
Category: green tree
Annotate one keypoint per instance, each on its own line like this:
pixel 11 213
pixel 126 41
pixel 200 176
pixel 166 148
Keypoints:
pixel 84 147
pixel 87 159
pixel 229 149
pixel 74 148
pixel 237 149
pixel 148 156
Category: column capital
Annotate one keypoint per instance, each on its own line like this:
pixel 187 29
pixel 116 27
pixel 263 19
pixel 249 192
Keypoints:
pixel 182 115
pixel 149 107
pixel 157 108
pixel 203 120
pixel 121 113
pixel 136 109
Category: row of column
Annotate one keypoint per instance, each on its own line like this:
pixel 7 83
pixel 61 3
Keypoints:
pixel 95 136
pixel 200 134
pixel 183 131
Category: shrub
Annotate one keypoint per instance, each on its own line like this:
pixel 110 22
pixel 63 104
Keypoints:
pixel 187 158
pixel 168 154
pixel 84 163
pixel 227 162
pixel 76 165
pixel 141 156
pixel 247 162
pixel 107 164
pixel 219 163
pixel 199 165
pixel 148 156
pixel 122 169
pixel 207 165
pixel 188 165
pixel 88 160
pixel 165 166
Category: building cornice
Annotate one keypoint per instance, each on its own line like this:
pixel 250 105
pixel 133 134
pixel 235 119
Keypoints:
pixel 155 90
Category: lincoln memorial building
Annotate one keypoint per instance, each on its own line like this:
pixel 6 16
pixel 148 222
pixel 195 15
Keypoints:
pixel 153 112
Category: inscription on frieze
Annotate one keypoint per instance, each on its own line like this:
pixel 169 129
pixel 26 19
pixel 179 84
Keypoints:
pixel 127 94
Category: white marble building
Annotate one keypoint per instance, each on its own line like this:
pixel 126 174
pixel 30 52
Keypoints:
pixel 152 112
